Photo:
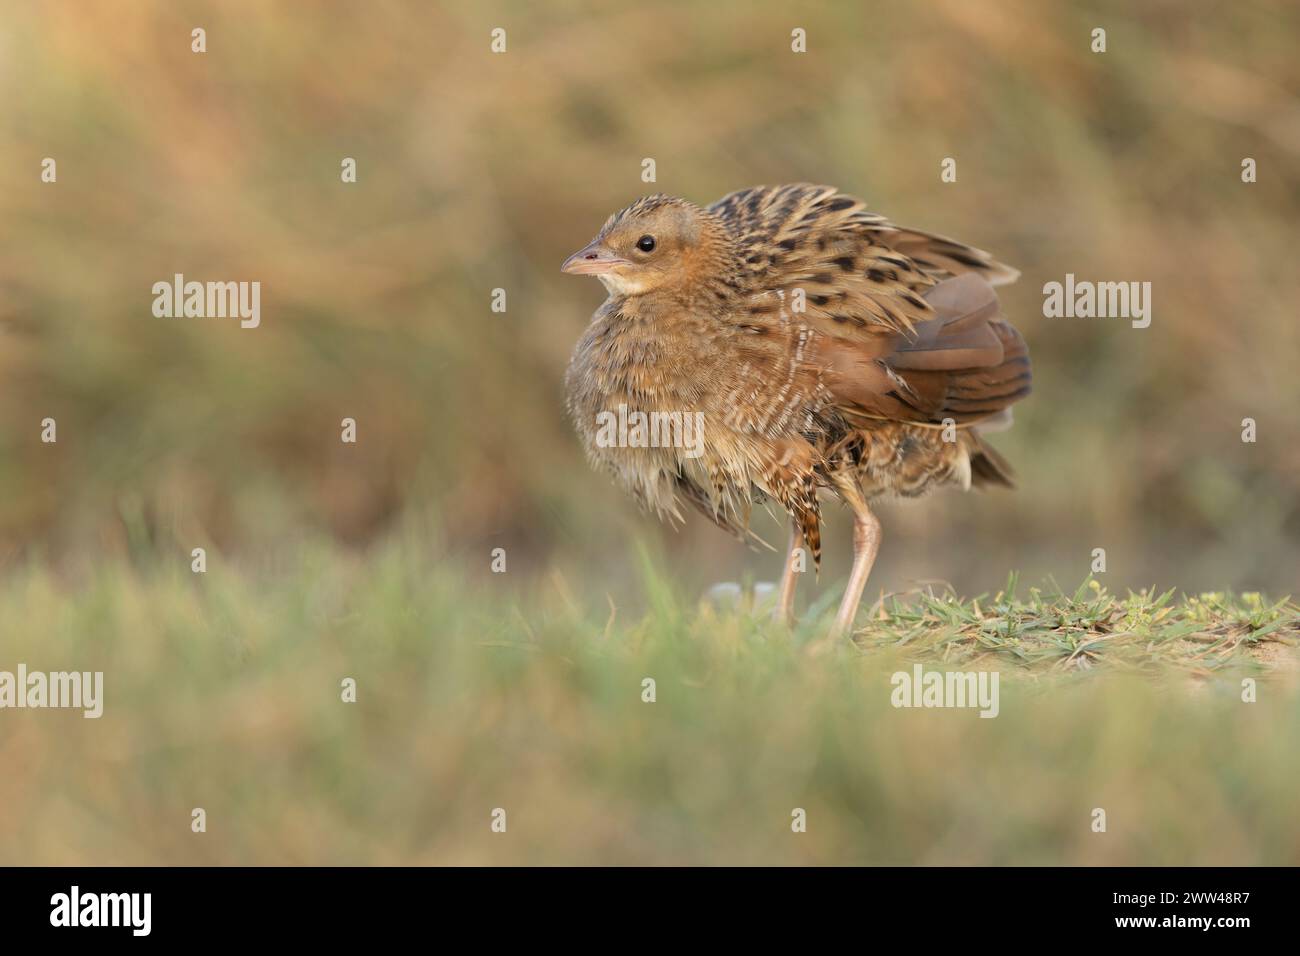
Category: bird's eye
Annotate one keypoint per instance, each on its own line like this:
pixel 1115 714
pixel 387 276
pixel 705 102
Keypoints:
pixel 646 243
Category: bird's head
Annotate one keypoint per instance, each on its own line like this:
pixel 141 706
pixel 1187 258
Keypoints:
pixel 658 243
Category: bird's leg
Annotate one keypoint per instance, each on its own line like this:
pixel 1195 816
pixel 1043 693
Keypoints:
pixel 784 611
pixel 866 542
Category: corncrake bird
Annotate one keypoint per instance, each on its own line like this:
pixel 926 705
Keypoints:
pixel 826 349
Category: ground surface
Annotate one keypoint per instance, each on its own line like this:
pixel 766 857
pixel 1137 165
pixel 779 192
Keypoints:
pixel 223 691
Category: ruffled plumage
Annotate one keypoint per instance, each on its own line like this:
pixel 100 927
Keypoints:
pixel 820 342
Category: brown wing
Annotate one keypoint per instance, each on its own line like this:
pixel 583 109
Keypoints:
pixel 965 363
pixel 859 275
pixel 908 327
pixel 818 242
pixel 943 258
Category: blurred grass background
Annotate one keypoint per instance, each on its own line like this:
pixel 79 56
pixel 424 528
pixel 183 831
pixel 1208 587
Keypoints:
pixel 479 171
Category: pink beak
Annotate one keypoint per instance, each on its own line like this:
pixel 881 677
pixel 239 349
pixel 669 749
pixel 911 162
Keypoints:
pixel 594 260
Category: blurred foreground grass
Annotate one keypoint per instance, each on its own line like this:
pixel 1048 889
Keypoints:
pixel 222 691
